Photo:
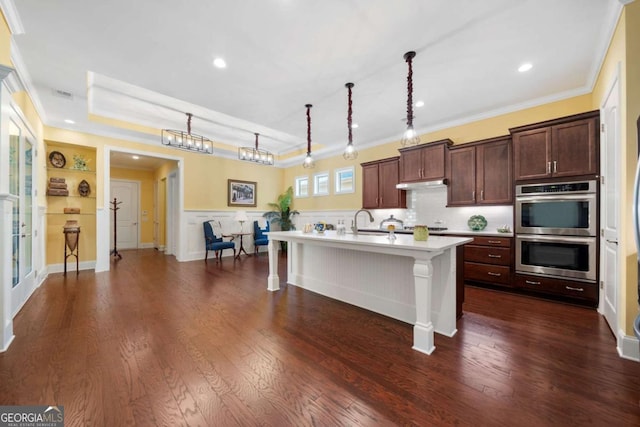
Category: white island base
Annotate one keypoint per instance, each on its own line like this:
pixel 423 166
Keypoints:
pixel 414 282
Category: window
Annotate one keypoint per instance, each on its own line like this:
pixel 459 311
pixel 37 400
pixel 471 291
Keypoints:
pixel 321 184
pixel 302 186
pixel 345 180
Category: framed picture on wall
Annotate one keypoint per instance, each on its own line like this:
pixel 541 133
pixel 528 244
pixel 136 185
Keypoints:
pixel 242 193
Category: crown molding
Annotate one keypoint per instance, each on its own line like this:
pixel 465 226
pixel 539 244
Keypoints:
pixel 10 13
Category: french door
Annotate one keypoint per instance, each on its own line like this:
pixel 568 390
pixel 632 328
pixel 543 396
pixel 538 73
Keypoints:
pixel 21 179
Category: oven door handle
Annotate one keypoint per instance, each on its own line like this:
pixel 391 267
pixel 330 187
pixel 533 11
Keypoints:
pixel 560 239
pixel 545 197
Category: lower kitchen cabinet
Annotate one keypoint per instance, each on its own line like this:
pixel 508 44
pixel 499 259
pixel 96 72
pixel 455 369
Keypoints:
pixel 582 291
pixel 489 260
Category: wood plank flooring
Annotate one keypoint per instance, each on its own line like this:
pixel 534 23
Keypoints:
pixel 157 342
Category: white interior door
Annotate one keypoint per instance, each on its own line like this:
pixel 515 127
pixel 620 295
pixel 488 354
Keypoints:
pixel 21 186
pixel 128 194
pixel 609 206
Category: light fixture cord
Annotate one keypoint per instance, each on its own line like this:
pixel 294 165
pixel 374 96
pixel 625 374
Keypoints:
pixel 256 134
pixel 308 129
pixel 189 123
pixel 409 93
pixel 349 113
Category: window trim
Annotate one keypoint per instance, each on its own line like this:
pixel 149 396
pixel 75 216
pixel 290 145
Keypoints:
pixel 337 180
pixel 296 181
pixel 315 183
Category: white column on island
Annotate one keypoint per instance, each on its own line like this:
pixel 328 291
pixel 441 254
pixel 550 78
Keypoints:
pixel 423 328
pixel 273 281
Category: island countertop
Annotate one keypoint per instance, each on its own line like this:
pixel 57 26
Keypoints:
pixel 402 241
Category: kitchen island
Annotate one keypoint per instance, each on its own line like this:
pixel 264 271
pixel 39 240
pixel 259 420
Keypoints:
pixel 414 282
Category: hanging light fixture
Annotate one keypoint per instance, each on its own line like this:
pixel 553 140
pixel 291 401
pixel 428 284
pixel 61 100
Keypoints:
pixel 350 152
pixel 309 163
pixel 409 137
pixel 187 140
pixel 256 155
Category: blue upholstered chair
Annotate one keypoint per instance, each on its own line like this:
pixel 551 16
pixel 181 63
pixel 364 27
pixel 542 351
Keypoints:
pixel 213 243
pixel 259 238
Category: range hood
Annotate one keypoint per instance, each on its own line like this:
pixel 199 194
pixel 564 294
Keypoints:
pixel 422 185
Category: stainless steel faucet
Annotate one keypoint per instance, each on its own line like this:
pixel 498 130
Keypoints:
pixel 354 226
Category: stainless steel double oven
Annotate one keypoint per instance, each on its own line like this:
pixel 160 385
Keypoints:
pixel 556 229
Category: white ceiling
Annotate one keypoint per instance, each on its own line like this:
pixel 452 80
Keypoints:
pixel 148 62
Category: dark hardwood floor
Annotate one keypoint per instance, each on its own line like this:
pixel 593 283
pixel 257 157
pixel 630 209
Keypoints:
pixel 156 342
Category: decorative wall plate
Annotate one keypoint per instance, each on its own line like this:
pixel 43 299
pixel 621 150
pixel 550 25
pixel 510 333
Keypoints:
pixel 477 222
pixel 57 159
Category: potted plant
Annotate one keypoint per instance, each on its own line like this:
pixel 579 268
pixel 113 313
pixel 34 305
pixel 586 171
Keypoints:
pixel 281 212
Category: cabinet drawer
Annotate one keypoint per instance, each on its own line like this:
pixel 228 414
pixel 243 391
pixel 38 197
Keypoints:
pixel 487 255
pixel 492 241
pixel 496 274
pixel 568 288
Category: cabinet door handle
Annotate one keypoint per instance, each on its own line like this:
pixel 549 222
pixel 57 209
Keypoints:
pixel 548 167
pixel 574 289
pixel 473 195
pixel 495 242
pixel 494 256
pixel 481 194
pixel 555 166
pixel 491 273
pixel 531 282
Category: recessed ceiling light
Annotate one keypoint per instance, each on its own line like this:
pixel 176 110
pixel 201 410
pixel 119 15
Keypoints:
pixel 525 67
pixel 354 126
pixel 134 157
pixel 71 122
pixel 420 104
pixel 219 63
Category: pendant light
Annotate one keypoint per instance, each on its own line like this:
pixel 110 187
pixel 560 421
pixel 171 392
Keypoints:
pixel 255 154
pixel 186 140
pixel 409 137
pixel 350 152
pixel 309 163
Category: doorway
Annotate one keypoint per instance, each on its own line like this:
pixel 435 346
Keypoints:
pixel 162 164
pixel 609 207
pixel 127 194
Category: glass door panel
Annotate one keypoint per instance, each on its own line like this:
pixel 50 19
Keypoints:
pixel 27 219
pixel 14 189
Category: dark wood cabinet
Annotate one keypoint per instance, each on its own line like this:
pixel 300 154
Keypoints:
pixel 489 260
pixel 565 147
pixel 574 290
pixel 480 173
pixel 425 162
pixel 379 180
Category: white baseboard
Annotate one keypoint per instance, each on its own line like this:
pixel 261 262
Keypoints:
pixel 71 267
pixel 629 347
pixel 146 246
pixel 161 248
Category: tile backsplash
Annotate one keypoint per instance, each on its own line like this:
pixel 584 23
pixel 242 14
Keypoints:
pixel 428 206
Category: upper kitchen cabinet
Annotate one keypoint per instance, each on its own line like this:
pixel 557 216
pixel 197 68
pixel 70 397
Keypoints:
pixel 425 162
pixel 479 173
pixel 379 180
pixel 565 147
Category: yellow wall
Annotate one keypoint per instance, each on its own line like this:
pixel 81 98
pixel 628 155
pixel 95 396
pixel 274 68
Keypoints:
pixel 5 43
pixel 494 126
pixel 146 180
pixel 205 176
